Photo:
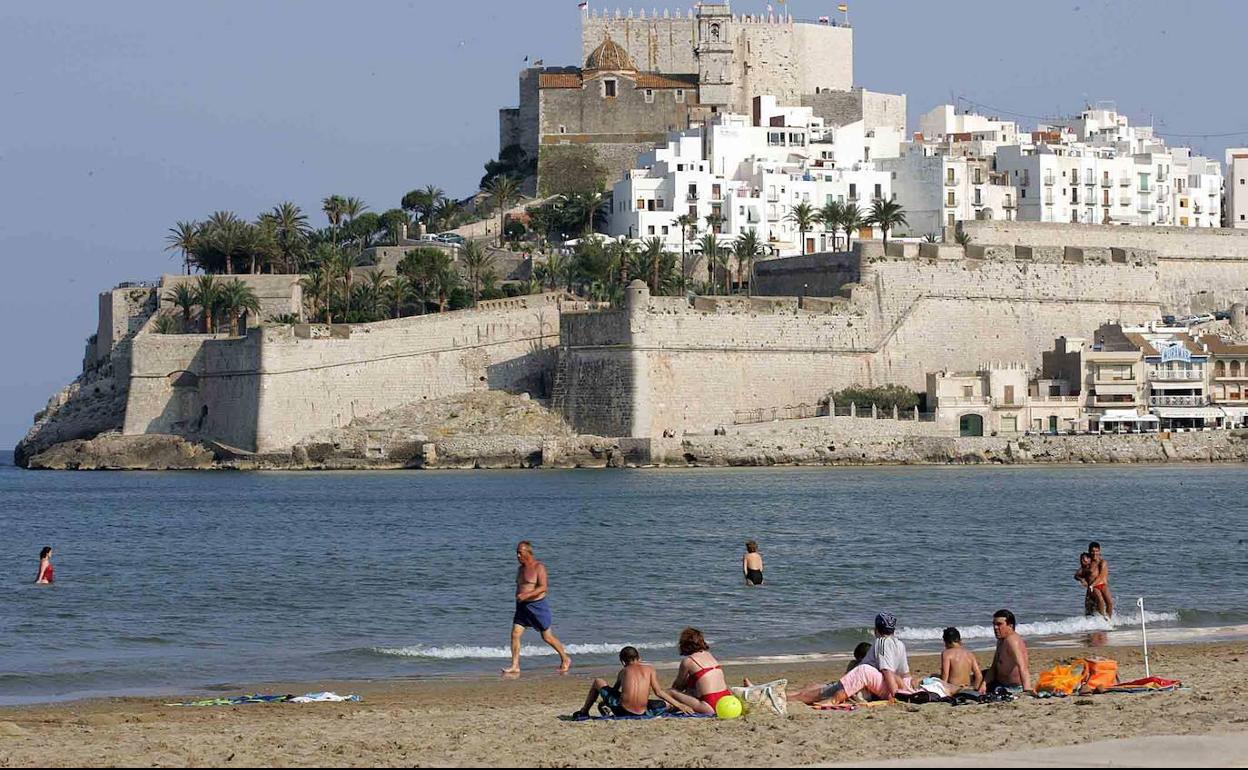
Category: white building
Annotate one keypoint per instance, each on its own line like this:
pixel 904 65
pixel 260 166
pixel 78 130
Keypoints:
pixel 1095 168
pixel 749 172
pixel 1236 187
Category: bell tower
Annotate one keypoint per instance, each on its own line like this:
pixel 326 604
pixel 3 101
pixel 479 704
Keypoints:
pixel 714 54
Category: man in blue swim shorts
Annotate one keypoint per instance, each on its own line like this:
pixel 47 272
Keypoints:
pixel 532 611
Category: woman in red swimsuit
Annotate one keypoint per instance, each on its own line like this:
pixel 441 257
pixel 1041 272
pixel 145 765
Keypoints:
pixel 700 681
pixel 45 565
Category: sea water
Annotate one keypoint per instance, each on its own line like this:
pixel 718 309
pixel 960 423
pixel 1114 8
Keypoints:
pixel 188 581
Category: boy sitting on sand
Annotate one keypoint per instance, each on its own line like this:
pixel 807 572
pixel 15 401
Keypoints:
pixel 630 695
pixel 959 670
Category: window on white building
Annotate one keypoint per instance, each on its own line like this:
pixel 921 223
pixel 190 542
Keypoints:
pixel 563 129
pixel 664 229
pixel 649 96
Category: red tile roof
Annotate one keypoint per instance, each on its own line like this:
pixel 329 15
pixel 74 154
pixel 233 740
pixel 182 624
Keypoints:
pixel 559 80
pixel 648 80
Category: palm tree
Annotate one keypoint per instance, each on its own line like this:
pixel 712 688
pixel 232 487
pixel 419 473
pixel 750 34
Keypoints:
pixel 651 260
pixel 353 207
pixel 339 266
pixel 688 225
pixel 182 237
pixel 710 250
pixel 476 260
pixel 208 297
pixel 424 203
pixel 803 215
pixel 316 285
pixel 713 222
pixel 503 191
pixel 555 272
pixel 397 293
pixel 887 215
pixel 748 246
pixel 446 214
pixel 334 206
pixel 830 217
pixel 851 220
pixel 237 298
pixel 184 297
pixel 291 228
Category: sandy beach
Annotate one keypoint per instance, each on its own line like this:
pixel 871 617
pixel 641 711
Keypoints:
pixel 509 723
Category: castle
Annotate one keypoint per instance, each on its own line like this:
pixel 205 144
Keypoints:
pixel 659 365
pixel 646 75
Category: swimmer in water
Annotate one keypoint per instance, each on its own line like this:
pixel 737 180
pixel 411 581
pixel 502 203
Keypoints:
pixel 45 566
pixel 752 564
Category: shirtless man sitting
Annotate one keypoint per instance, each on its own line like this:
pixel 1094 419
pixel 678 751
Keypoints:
pixel 959 670
pixel 1010 668
pixel 1100 579
pixel 630 695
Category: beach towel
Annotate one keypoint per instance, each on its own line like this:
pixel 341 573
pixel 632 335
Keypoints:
pixel 768 697
pixel 1060 680
pixel 1148 684
pixel 325 697
pixel 630 718
pixel 238 700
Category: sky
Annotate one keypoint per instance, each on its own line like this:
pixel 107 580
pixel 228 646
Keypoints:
pixel 119 118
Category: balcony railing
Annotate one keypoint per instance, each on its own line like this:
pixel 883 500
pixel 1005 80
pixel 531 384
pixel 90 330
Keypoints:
pixel 1048 181
pixel 1109 403
pixel 1009 203
pixel 1177 401
pixel 951 181
pixel 1124 181
pixel 1147 206
pixel 965 401
pixel 691 198
pixel 1176 375
pixel 1106 182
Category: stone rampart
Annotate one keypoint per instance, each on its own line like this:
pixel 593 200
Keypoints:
pixel 279 294
pixel 1167 242
pixel 820 275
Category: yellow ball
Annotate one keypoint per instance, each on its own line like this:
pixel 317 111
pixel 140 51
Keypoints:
pixel 728 707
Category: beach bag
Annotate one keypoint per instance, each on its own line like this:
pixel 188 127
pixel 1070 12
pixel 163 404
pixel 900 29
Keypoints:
pixel 1100 673
pixel 1060 680
pixel 766 698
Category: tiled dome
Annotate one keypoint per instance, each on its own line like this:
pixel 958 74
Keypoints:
pixel 610 57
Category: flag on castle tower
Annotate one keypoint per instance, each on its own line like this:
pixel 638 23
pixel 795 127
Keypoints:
pixel 583 4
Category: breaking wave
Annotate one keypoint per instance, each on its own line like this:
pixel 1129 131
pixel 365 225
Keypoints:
pixel 465 652
pixel 1078 624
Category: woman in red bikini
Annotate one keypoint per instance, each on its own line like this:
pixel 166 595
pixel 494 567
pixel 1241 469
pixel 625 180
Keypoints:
pixel 700 681
pixel 45 566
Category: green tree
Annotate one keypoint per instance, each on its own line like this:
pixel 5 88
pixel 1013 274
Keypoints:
pixel 503 191
pixel 398 292
pixel 423 203
pixel 709 245
pixel 335 208
pixel 394 222
pixel 887 215
pixel 803 215
pixel 315 286
pixel 183 296
pixel 433 274
pixel 235 299
pixel 747 247
pixel 830 217
pixel 166 324
pixel 353 207
pixel 292 229
pixel 688 225
pixel 883 397
pixel 851 220
pixel 476 262
pixel 208 297
pixel 182 237
pixel 962 238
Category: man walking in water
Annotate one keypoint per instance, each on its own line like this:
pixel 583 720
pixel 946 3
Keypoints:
pixel 531 608
pixel 1100 579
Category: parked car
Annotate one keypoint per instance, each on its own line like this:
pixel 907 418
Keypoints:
pixel 454 238
pixel 1168 320
pixel 1222 315
pixel 1203 318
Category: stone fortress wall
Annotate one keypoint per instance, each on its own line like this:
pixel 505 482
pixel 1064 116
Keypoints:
pixel 280 384
pixel 771 55
pixel 660 364
pixel 664 366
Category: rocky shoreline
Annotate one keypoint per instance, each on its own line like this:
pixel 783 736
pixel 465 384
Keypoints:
pixel 824 447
